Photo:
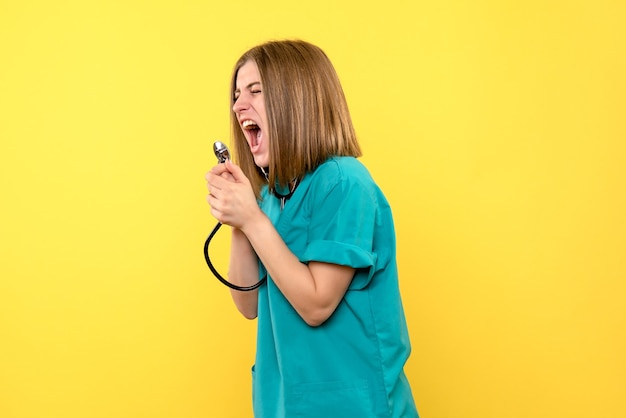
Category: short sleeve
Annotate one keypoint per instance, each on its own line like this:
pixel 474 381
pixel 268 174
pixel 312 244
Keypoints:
pixel 342 224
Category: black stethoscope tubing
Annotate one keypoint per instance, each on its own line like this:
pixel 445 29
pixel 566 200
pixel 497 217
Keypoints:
pixel 222 154
pixel 219 276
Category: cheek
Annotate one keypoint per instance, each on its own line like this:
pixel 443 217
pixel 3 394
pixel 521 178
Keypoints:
pixel 261 111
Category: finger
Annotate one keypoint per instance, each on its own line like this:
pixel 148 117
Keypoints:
pixel 236 172
pixel 214 192
pixel 226 175
pixel 216 214
pixel 219 169
pixel 214 206
pixel 214 181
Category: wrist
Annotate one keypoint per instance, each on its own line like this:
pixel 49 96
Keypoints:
pixel 256 226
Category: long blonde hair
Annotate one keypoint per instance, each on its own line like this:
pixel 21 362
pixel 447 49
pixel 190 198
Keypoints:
pixel 307 112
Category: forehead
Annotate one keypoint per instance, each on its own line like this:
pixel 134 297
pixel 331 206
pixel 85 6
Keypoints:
pixel 247 74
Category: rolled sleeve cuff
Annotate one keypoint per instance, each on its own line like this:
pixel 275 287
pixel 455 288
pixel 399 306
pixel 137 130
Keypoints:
pixel 346 255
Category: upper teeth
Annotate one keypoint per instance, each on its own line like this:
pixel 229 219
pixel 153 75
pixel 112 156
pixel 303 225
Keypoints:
pixel 247 123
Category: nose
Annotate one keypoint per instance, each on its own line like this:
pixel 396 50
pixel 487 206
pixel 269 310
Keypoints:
pixel 240 104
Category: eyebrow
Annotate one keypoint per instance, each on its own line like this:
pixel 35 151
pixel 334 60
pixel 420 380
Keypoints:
pixel 249 86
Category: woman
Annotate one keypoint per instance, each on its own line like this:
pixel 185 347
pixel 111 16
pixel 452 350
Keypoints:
pixel 306 214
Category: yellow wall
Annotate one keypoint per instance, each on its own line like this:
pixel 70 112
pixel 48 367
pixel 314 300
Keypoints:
pixel 496 129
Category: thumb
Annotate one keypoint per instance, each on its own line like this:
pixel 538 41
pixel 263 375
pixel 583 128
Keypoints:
pixel 236 172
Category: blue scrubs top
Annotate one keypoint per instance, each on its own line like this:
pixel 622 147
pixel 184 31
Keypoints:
pixel 351 365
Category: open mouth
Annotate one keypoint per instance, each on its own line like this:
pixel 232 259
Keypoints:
pixel 253 133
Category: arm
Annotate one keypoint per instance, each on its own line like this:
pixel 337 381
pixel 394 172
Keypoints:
pixel 314 290
pixel 243 271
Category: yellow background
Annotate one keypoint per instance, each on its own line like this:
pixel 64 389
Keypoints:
pixel 496 129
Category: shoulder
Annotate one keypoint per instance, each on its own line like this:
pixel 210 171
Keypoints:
pixel 342 169
pixel 343 178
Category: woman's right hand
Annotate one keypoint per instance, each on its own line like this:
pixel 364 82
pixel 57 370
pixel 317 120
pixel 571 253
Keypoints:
pixel 231 196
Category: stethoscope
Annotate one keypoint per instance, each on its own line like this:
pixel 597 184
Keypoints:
pixel 222 154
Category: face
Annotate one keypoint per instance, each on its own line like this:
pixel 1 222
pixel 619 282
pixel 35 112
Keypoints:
pixel 249 108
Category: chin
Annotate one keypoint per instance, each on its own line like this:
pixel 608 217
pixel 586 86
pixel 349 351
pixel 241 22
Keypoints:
pixel 261 161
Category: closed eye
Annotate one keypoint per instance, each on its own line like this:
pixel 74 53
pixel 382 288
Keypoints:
pixel 253 88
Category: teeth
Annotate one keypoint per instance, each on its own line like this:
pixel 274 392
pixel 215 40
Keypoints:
pixel 248 123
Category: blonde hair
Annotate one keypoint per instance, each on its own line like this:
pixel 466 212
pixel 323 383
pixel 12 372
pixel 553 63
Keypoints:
pixel 307 113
